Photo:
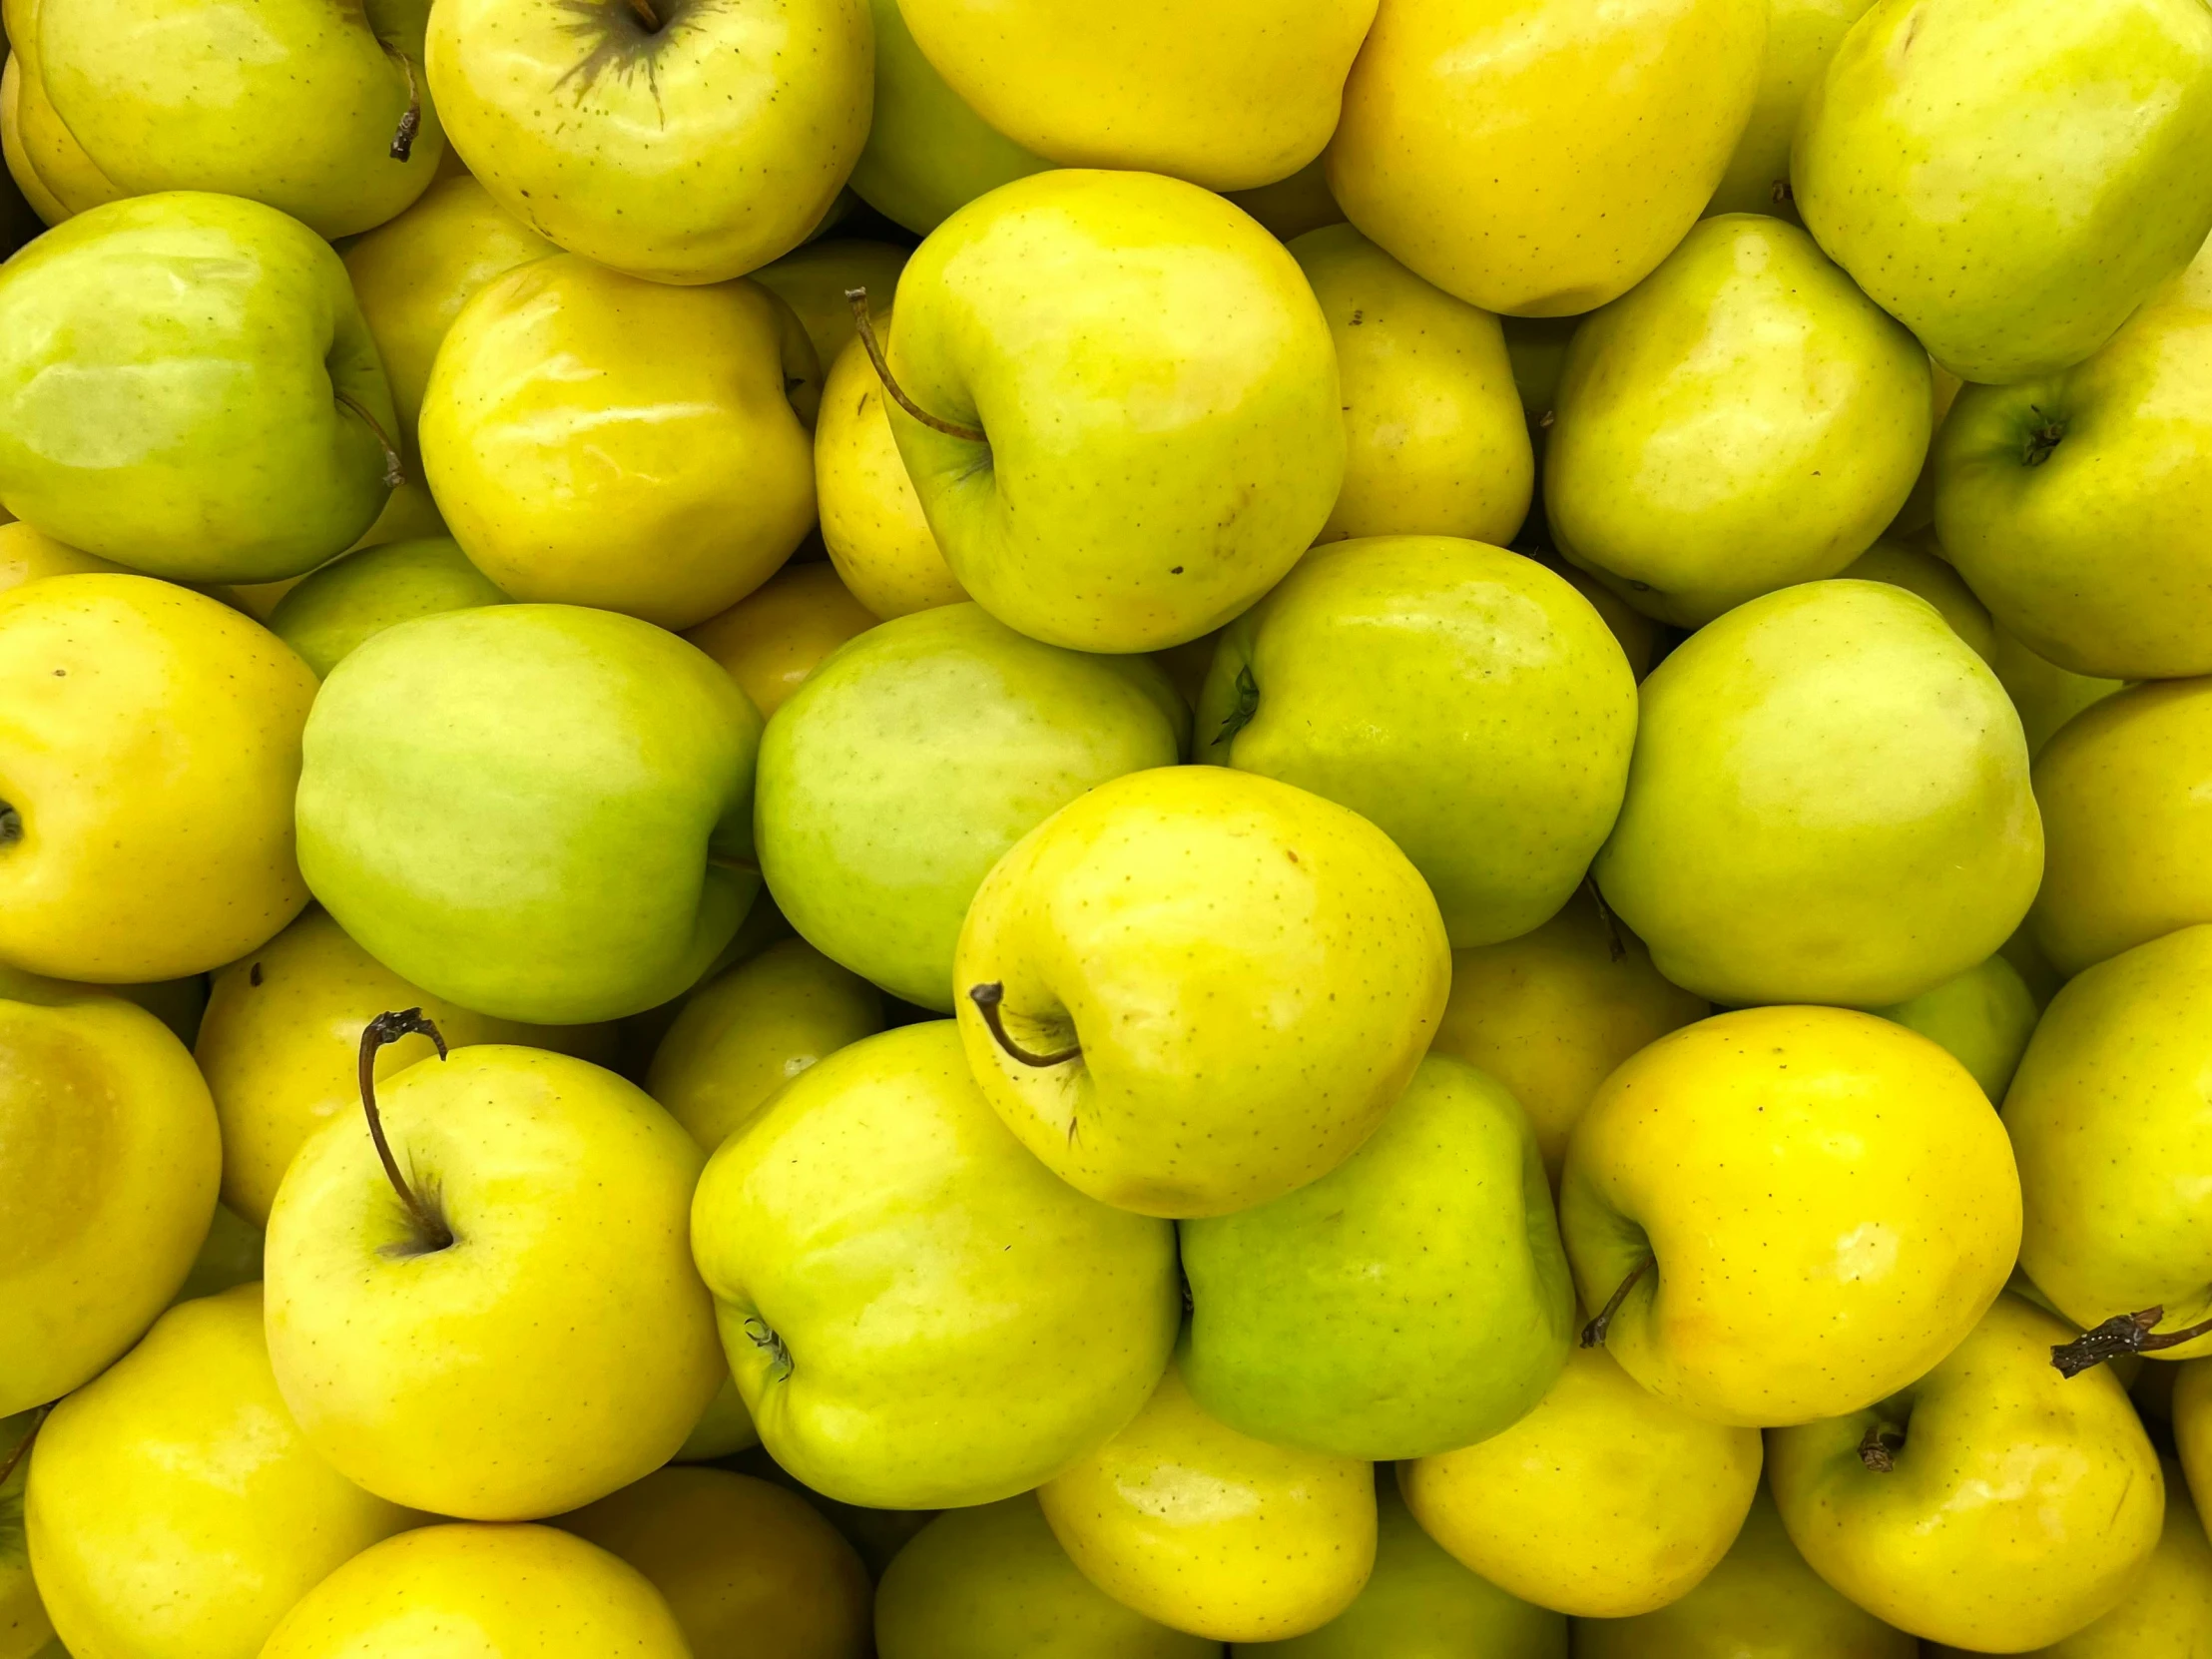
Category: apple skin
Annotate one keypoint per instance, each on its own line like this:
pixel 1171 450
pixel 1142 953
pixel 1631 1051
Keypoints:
pixel 913 758
pixel 201 443
pixel 1802 35
pixel 1983 1019
pixel 2009 181
pixel 48 164
pixel 1922 570
pixel 25 1630
pixel 918 1314
pixel 173 1505
pixel 2023 1503
pixel 813 280
pixel 1414 1300
pixel 776 636
pixel 591 773
pixel 1157 390
pixel 693 153
pixel 350 599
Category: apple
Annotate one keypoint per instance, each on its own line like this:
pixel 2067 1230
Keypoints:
pixel 1744 419
pixel 2045 695
pixel 2191 1419
pixel 1802 35
pixel 1991 1503
pixel 2010 179
pixel 25 556
pixel 1134 424
pixel 1828 803
pixel 48 164
pixel 1539 158
pixel 230 1256
pixel 1192 989
pixel 815 279
pixel 1293 205
pixel 919 1315
pixel 150 747
pixel 1983 1017
pixel 591 852
pixel 1412 1300
pixel 484 1305
pixel 723 1430
pixel 173 1505
pixel 1463 698
pixel 348 600
pixel 242 437
pixel 25 1630
pixel 678 140
pixel 1919 569
pixel 777 635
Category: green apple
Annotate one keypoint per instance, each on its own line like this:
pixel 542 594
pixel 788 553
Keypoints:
pixel 1194 989
pixel 1828 803
pixel 1464 698
pixel 919 1316
pixel 2045 695
pixel 590 853
pixel 914 757
pixel 25 1630
pixel 2009 179
pixel 175 1508
pixel 1761 1600
pixel 483 1304
pixel 685 140
pixel 1802 35
pixel 241 437
pixel 108 1184
pixel 1412 1300
pixel 992 1582
pixel 927 154
pixel 2073 501
pixel 1994 1505
pixel 1983 1018
pixel 1918 570
pixel 1136 425
pixel 316 106
pixel 348 600
pixel 1742 419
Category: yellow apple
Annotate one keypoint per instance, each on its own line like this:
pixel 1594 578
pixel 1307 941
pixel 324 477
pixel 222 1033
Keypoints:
pixel 1292 207
pixel 770 640
pixel 2045 695
pixel 44 155
pixel 813 280
pixel 1916 570
pixel 2192 1426
pixel 26 555
pixel 1802 35
pixel 1983 1018
pixel 25 1630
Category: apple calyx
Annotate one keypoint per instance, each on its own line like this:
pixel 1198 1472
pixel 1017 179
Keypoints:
pixel 1593 1334
pixel 411 119
pixel 858 299
pixel 395 474
pixel 987 999
pixel 2044 439
pixel 1880 1448
pixel 763 1336
pixel 431 1233
pixel 11 825
pixel 2122 1333
pixel 14 1459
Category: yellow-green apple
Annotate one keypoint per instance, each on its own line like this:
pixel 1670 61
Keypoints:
pixel 594 439
pixel 1194 989
pixel 919 1315
pixel 25 1630
pixel 1257 1543
pixel 44 157
pixel 1750 1205
pixel 174 1509
pixel 589 853
pixel 230 1256
pixel 482 1304
pixel 240 436
pixel 815 279
pixel 685 141
pixel 1411 1301
pixel 2045 695
pixel 1605 1501
pixel 2009 179
pixel 26 556
pixel 912 760
pixel 1137 87
pixel 345 602
pixel 1991 1503
pixel 1915 569
pixel 1983 1018
pixel 150 747
pixel 457 1591
pixel 1133 414
pixel 1597 132
pixel 776 636
pixel 1744 419
pixel 1466 700
pixel 1802 35
pixel 1828 803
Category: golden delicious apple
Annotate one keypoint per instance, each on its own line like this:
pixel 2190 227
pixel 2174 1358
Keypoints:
pixel 25 1630
pixel 327 613
pixel 1983 1018
pixel 1541 157
pixel 1916 570
pixel 45 159
pixel 770 640
pixel 2192 1423
pixel 1802 35
pixel 813 280
pixel 230 1256
pixel 1292 207
pixel 1193 989
pixel 26 555
pixel 2045 695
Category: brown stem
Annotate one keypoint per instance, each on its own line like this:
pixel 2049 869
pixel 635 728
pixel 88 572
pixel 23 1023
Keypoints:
pixel 386 1028
pixel 395 474
pixel 23 1446
pixel 986 999
pixel 647 15
pixel 1616 947
pixel 1879 1447
pixel 858 299
pixel 411 119
pixel 2122 1333
pixel 1593 1334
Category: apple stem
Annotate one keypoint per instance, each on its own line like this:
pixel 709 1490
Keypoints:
pixel 858 299
pixel 647 15
pixel 1593 1334
pixel 1879 1447
pixel 1616 947
pixel 386 1028
pixel 729 860
pixel 395 474
pixel 2122 1333
pixel 23 1446
pixel 987 999
pixel 411 119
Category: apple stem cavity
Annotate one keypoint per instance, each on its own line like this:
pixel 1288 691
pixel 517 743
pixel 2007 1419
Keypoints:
pixel 1879 1448
pixel 395 474
pixel 987 999
pixel 1593 1334
pixel 14 1459
pixel 648 18
pixel 763 1336
pixel 1248 705
pixel 411 119
pixel 2122 1333
pixel 11 825
pixel 858 299
pixel 431 1229
pixel 2044 439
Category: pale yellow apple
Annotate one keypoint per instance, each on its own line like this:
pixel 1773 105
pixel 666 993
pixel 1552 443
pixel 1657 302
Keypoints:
pixel 27 554
pixel 1604 1501
pixel 813 280
pixel 1212 1531
pixel 773 638
pixel 594 439
pixel 1596 132
pixel 48 164
pixel 1802 35
pixel 175 1509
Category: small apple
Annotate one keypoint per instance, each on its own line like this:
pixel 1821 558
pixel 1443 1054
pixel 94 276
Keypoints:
pixel 334 608
pixel 777 635
pixel 1983 1018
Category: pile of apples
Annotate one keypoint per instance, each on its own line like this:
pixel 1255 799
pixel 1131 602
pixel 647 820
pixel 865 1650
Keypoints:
pixel 977 829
